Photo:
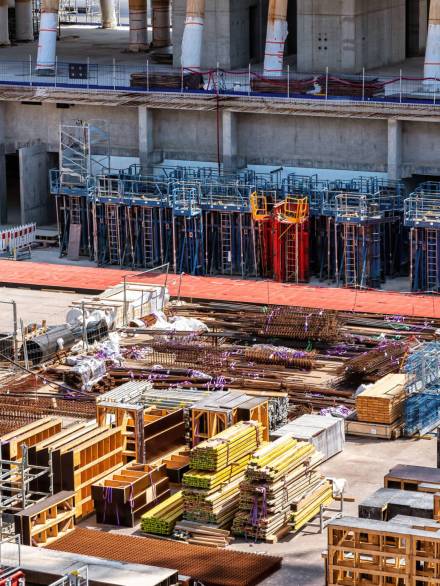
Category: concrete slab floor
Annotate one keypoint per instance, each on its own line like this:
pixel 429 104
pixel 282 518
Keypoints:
pixel 34 306
pixel 363 464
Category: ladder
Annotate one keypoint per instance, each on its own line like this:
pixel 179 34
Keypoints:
pixel 375 265
pixel 226 243
pixel 431 260
pixel 147 236
pixel 350 251
pixel 291 254
pixel 113 234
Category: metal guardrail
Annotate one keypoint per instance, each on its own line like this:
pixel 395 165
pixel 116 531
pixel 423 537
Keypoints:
pixel 88 76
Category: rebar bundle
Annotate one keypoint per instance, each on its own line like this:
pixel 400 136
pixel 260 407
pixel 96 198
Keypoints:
pixel 374 364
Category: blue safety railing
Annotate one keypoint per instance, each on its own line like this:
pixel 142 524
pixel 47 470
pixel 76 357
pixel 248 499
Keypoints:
pixel 148 77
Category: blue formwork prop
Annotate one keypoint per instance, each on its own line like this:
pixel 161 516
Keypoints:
pixel 421 412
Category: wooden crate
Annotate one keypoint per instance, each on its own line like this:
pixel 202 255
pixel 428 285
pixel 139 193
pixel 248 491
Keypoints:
pixel 125 494
pixel 383 401
pixel 46 521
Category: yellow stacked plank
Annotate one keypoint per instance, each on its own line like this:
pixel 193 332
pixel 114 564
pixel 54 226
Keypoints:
pixel 161 519
pixel 278 475
pixel 383 401
pixel 211 493
pixel 309 505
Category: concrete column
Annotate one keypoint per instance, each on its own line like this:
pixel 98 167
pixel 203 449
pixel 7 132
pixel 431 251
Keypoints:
pixel 432 56
pixel 3 187
pixel 24 28
pixel 137 15
pixel 193 35
pixel 47 41
pixel 395 150
pixel 146 139
pixel 4 26
pixel 230 141
pixel 161 23
pixel 276 38
pixel 108 14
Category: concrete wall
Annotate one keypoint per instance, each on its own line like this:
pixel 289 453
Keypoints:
pixel 421 148
pixel 34 193
pixel 347 35
pixel 313 142
pixel 28 124
pixel 226 32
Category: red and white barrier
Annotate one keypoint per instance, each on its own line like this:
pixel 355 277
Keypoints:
pixel 16 238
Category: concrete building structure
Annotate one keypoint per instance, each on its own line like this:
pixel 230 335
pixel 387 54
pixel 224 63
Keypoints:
pixel 396 137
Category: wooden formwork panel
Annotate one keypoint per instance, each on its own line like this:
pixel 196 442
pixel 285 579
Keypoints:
pixel 30 435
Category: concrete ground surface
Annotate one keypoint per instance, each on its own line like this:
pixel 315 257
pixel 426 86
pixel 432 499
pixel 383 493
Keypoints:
pixel 363 464
pixel 34 306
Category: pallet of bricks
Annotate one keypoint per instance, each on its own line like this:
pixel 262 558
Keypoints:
pixel 379 408
pixel 211 488
pixel 282 490
pixel 81 455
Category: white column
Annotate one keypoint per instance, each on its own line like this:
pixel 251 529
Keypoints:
pixel 4 27
pixel 108 14
pixel 193 35
pixel 432 56
pixel 161 23
pixel 137 15
pixel 275 38
pixel 146 139
pixel 230 140
pixel 24 28
pixel 395 150
pixel 47 42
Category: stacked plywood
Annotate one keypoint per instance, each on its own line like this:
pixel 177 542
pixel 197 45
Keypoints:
pixel 383 401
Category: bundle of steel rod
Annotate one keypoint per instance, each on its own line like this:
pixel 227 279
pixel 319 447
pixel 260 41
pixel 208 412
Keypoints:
pixel 376 363
pixel 278 475
pixel 343 87
pixel 267 85
pixel 36 406
pixel 161 519
pixel 227 447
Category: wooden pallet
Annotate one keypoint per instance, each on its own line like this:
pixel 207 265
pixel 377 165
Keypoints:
pixel 47 520
pixel 373 430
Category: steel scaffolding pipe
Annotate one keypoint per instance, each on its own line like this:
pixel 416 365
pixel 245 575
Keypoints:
pixel 432 55
pixel 47 42
pixel 24 28
pixel 137 14
pixel 193 35
pixel 161 23
pixel 108 13
pixel 275 38
pixel 4 27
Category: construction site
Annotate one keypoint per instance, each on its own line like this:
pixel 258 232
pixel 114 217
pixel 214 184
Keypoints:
pixel 219 279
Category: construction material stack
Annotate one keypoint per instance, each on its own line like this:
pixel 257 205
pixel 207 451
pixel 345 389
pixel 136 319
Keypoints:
pixel 281 487
pixel 162 519
pixel 211 488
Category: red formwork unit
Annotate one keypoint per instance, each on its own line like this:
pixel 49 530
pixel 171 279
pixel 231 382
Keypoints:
pixel 290 241
pixel 16 579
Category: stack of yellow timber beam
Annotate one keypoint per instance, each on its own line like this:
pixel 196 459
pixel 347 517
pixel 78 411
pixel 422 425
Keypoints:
pixel 211 493
pixel 309 505
pixel 278 475
pixel 383 401
pixel 161 519
pixel 199 534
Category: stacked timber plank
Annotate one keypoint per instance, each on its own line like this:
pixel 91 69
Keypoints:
pixel 383 401
pixel 280 475
pixel 123 495
pixel 161 519
pixel 198 534
pixel 212 487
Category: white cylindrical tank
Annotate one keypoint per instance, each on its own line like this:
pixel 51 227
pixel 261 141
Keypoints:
pixel 108 14
pixel 193 35
pixel 161 23
pixel 275 38
pixel 24 28
pixel 4 26
pixel 432 55
pixel 137 14
pixel 47 41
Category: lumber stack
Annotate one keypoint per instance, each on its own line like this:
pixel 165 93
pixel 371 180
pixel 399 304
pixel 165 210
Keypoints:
pixel 198 534
pixel 279 475
pixel 383 401
pixel 161 519
pixel 306 507
pixel 211 492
